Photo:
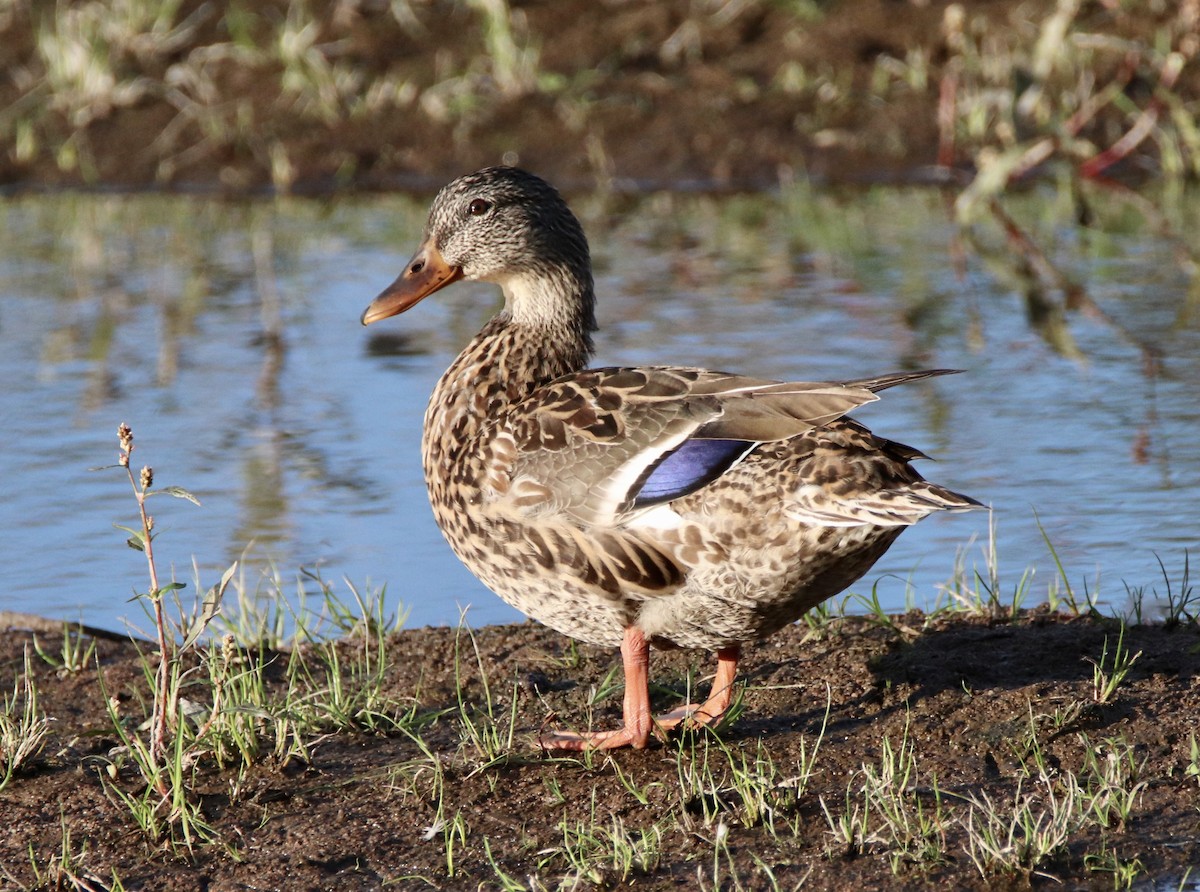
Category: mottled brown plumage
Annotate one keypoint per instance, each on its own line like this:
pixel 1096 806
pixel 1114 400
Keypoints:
pixel 670 506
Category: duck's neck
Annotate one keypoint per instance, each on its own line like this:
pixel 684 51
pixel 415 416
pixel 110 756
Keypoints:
pixel 557 298
pixel 543 332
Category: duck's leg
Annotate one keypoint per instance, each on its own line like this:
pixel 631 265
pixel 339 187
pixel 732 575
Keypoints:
pixel 635 658
pixel 720 695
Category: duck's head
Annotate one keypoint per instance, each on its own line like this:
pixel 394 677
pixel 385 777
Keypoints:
pixel 506 226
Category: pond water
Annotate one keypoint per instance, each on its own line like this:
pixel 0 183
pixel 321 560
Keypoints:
pixel 227 335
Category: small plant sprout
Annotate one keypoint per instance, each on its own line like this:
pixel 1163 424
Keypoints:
pixel 65 870
pixel 912 821
pixel 142 539
pixel 979 591
pixel 1017 839
pixel 1112 778
pixel 850 830
pixel 1123 871
pixel 1109 672
pixel 73 655
pixel 23 726
pixel 483 728
pixel 1180 604
pixel 164 761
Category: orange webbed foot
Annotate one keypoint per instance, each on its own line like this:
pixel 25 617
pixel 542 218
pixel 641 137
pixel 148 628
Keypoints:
pixel 635 656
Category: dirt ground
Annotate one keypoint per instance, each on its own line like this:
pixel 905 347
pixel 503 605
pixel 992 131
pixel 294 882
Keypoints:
pixel 963 692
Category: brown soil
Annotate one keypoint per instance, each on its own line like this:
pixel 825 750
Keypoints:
pixel 664 94
pixel 963 690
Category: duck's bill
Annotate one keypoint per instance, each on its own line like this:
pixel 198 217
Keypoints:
pixel 424 274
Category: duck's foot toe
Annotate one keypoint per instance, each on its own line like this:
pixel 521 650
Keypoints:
pixel 595 740
pixel 690 715
pixel 635 658
pixel 709 713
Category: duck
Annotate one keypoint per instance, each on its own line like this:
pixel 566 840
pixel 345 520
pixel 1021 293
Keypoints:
pixel 636 507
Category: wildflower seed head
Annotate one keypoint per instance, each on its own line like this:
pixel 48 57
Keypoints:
pixel 147 477
pixel 125 434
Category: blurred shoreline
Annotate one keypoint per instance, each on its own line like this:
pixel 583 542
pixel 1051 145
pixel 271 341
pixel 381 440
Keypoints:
pixel 741 94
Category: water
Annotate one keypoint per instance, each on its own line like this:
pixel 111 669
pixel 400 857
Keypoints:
pixel 226 334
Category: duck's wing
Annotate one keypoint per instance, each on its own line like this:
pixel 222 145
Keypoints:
pixel 601 445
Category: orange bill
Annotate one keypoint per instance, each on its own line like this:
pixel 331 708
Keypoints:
pixel 425 273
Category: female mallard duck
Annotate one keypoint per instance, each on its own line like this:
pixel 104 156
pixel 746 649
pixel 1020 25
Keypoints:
pixel 670 506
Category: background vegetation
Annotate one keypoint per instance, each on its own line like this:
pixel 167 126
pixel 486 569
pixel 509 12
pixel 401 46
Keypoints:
pixel 375 94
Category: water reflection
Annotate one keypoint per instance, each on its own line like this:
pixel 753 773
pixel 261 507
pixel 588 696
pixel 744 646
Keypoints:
pixel 227 334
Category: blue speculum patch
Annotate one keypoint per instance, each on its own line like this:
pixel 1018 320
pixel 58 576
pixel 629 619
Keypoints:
pixel 689 467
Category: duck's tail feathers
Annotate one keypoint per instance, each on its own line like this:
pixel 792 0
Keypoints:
pixel 883 382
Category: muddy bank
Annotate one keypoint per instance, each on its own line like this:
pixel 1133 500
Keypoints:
pixel 990 717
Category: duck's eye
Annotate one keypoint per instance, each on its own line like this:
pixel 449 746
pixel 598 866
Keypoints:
pixel 478 207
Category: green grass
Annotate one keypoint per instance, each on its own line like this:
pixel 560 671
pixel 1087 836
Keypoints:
pixel 23 726
pixel 722 783
pixel 65 869
pixel 1018 836
pixel 911 819
pixel 486 729
pixel 606 853
pixel 891 810
pixel 76 652
pixel 93 59
pixel 210 700
pixel 1111 669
